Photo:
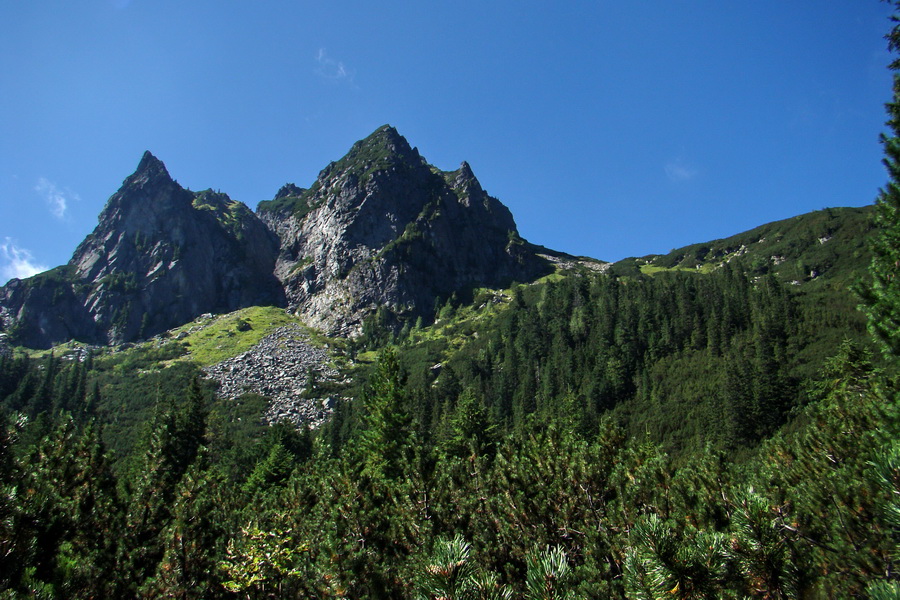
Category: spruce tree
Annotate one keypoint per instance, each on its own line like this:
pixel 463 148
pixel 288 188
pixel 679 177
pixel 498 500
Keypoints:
pixel 385 443
pixel 881 296
pixel 188 569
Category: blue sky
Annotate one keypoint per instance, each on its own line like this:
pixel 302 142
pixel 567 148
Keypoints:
pixel 610 128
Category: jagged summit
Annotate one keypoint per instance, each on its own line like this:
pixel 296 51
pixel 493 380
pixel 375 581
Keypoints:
pixel 464 179
pixel 385 140
pixel 384 149
pixel 159 257
pixel 150 167
pixel 381 229
pixel 150 172
pixel 141 205
pixel 379 232
pixel 289 190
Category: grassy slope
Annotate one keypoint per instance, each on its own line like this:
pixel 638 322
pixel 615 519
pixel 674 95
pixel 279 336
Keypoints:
pixel 800 249
pixel 210 341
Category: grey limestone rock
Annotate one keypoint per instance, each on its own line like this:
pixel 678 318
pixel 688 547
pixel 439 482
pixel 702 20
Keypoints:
pixel 383 228
pixel 378 229
pixel 280 367
pixel 159 256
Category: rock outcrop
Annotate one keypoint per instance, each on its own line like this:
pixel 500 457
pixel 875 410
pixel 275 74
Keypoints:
pixel 381 228
pixel 160 256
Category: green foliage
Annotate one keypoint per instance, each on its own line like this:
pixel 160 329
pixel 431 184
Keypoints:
pixel 264 564
pixel 174 441
pixel 665 563
pixel 385 442
pixel 886 467
pixel 881 296
pixel 818 472
pixel 716 430
pixel 192 540
pixel 549 576
pixel 762 548
pixel 298 206
pixel 62 520
pixel 271 471
pixel 470 431
pixel 127 386
pixel 450 573
pixel 886 471
pixel 884 590
pixel 229 214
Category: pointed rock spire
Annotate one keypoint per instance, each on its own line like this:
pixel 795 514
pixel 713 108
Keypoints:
pixel 149 162
pixel 466 180
pixel 150 169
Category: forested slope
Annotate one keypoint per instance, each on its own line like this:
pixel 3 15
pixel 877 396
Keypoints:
pixel 701 433
pixel 714 423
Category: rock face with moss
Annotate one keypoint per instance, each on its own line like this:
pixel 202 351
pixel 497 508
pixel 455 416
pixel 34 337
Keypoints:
pixel 382 229
pixel 159 257
pixel 380 232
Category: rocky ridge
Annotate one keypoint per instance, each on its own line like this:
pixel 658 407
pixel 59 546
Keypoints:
pixel 566 262
pixel 160 256
pixel 381 228
pixel 282 367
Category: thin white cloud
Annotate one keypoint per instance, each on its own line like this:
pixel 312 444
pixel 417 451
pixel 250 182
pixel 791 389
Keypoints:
pixel 17 262
pixel 679 171
pixel 57 199
pixel 331 68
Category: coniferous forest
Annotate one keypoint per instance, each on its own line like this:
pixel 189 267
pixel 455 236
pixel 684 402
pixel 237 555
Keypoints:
pixel 672 427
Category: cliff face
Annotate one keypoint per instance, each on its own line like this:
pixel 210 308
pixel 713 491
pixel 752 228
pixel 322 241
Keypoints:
pixel 383 228
pixel 159 257
pixel 379 229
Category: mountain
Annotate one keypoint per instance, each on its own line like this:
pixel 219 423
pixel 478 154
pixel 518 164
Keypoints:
pixel 699 401
pixel 383 228
pixel 826 245
pixel 160 256
pixel 379 231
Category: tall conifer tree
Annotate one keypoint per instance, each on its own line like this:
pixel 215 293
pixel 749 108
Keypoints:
pixel 881 297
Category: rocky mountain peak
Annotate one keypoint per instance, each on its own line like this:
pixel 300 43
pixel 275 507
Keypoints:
pixel 381 229
pixel 160 256
pixel 387 139
pixel 383 149
pixel 465 182
pixel 289 190
pixel 380 232
pixel 150 170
